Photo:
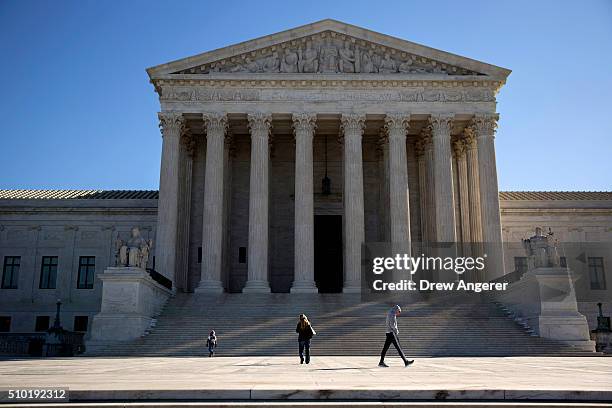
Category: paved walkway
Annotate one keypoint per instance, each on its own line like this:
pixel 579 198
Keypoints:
pixel 354 378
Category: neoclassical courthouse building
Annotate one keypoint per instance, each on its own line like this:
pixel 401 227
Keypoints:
pixel 281 156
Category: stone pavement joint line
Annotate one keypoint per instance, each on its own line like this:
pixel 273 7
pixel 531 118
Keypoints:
pixel 326 378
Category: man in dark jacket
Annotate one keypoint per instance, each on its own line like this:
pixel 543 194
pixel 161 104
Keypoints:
pixel 391 332
pixel 305 333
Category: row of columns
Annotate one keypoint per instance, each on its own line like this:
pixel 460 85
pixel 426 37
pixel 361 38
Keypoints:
pixel 475 168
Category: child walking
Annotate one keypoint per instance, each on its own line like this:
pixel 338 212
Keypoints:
pixel 211 343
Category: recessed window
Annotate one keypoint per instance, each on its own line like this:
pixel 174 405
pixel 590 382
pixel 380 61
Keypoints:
pixel 87 270
pixel 199 254
pixel 242 255
pixel 10 272
pixel 42 323
pixel 5 324
pixel 48 272
pixel 596 273
pixel 520 264
pixel 80 323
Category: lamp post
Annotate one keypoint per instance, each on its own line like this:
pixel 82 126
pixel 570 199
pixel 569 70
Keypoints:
pixel 56 324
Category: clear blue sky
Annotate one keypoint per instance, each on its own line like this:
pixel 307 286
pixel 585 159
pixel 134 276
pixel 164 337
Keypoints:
pixel 77 110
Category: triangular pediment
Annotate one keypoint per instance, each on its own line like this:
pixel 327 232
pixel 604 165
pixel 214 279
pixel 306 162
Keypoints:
pixel 328 47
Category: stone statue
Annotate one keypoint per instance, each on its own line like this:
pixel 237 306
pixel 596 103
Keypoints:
pixel 145 249
pixel 405 67
pixel 252 66
pixel 135 252
pixel 347 59
pixel 120 255
pixel 289 62
pixel 367 66
pixel 271 63
pixel 541 250
pixel 328 62
pixel 387 65
pixel 308 59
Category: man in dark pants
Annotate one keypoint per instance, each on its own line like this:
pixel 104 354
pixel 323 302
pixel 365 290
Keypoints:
pixel 392 332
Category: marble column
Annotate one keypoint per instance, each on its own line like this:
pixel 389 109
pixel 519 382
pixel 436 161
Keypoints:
pixel 396 125
pixel 473 184
pixel 422 173
pixel 212 218
pixel 462 177
pixel 382 148
pixel 430 181
pixel 172 126
pixel 184 212
pixel 260 125
pixel 485 125
pixel 304 125
pixel 444 206
pixel 352 126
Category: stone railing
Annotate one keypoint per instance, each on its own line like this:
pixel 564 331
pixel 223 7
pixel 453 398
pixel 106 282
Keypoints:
pixel 131 299
pixel 51 344
pixel 544 300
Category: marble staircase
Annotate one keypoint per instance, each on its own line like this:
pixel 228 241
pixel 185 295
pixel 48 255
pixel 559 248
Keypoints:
pixel 265 325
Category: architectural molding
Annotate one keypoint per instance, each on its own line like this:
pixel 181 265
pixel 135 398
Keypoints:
pixel 171 123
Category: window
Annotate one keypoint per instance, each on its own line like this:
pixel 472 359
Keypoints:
pixel 563 262
pixel 48 272
pixel 80 323
pixel 87 270
pixel 10 272
pixel 199 254
pixel 242 255
pixel 520 264
pixel 5 324
pixel 596 273
pixel 42 323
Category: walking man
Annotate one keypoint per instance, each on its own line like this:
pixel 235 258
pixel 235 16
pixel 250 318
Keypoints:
pixel 392 332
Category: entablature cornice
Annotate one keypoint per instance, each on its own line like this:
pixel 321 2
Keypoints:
pixel 326 81
pixel 409 92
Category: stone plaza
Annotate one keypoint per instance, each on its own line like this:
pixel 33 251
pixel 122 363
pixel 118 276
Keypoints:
pixel 278 379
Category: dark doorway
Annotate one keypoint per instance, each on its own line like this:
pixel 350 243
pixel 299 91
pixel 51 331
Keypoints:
pixel 328 253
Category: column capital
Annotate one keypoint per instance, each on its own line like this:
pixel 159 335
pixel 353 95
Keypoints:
pixel 426 137
pixel 441 124
pixel 469 137
pixel 171 123
pixel 397 124
pixel 459 147
pixel 304 122
pixel 352 122
pixel 188 142
pixel 215 123
pixel 485 124
pixel 260 123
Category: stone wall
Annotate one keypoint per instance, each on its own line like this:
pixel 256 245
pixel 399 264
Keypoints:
pixel 67 229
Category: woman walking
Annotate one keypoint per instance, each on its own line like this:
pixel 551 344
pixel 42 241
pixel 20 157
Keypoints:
pixel 305 332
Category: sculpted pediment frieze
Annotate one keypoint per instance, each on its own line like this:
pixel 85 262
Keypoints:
pixel 328 52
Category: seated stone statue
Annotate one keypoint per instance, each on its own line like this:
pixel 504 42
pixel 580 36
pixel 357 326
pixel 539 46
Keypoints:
pixel 134 252
pixel 387 65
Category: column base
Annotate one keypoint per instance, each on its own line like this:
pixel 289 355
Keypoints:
pixel 210 286
pixel 304 287
pixel 351 288
pixel 257 286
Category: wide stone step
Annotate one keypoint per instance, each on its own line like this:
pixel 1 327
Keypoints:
pixel 265 325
